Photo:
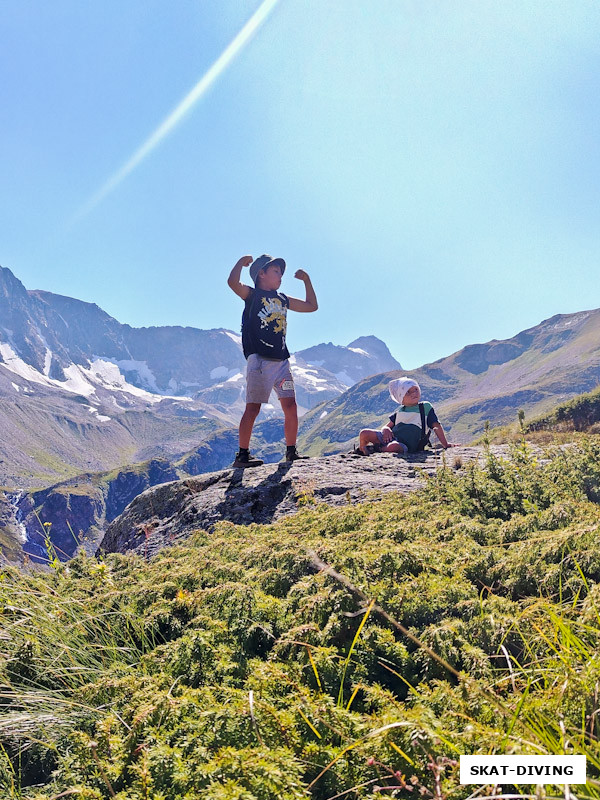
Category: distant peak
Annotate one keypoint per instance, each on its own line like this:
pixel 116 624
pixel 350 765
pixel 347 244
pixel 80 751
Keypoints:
pixel 374 347
pixel 10 283
pixel 363 340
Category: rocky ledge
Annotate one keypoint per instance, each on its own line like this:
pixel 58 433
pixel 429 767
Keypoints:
pixel 171 511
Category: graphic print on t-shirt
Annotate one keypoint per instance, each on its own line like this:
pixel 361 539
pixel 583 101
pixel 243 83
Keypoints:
pixel 273 313
pixel 264 324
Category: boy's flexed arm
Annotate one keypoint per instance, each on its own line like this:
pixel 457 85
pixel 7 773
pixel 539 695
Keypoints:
pixel 310 304
pixel 233 281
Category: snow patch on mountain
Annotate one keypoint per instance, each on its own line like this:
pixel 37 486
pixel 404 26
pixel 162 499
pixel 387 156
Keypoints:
pixel 109 375
pixel 235 336
pixel 569 321
pixel 47 354
pixel 310 377
pixel 21 368
pixel 99 417
pixel 143 370
pixel 76 382
pixel 79 379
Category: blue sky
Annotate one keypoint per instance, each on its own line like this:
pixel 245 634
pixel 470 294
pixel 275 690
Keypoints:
pixel 433 165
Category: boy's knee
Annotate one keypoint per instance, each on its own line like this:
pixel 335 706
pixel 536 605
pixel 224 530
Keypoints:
pixel 252 409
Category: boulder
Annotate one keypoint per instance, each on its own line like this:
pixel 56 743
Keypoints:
pixel 172 511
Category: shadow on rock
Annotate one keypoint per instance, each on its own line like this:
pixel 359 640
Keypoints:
pixel 245 503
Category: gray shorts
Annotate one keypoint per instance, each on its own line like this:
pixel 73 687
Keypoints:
pixel 263 375
pixel 382 443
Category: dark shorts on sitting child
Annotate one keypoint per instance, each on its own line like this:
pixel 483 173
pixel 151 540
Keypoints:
pixel 382 443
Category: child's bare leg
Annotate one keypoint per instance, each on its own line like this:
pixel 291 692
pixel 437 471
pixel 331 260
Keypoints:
pixel 394 447
pixel 367 436
pixel 247 423
pixel 290 419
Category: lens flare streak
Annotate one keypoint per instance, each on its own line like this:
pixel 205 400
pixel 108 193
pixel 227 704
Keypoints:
pixel 182 109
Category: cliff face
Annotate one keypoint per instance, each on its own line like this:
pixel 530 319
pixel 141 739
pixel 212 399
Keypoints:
pixel 171 512
pixel 75 512
pixel 79 508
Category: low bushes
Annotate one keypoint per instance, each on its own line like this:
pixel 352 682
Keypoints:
pixel 231 667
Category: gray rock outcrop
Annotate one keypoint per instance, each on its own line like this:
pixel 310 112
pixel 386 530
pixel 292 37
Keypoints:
pixel 172 511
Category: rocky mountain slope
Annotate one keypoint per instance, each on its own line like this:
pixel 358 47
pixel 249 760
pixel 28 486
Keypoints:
pixel 365 356
pixel 48 434
pixel 60 337
pixel 534 370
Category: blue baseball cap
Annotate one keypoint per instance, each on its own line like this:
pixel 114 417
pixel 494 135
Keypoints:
pixel 264 261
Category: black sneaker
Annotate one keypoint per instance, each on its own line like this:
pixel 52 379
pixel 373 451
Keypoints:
pixel 243 459
pixel 292 455
pixel 369 451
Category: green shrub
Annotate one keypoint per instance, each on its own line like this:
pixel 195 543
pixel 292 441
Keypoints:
pixel 232 667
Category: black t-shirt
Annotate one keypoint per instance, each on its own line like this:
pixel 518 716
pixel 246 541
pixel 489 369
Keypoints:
pixel 264 324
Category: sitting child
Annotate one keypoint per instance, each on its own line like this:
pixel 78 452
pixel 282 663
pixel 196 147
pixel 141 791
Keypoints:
pixel 404 432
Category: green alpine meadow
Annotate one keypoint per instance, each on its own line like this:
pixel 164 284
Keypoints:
pixel 342 652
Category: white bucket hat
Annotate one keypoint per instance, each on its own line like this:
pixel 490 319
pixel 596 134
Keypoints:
pixel 400 386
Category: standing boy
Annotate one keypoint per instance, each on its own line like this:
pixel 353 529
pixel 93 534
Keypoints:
pixel 264 323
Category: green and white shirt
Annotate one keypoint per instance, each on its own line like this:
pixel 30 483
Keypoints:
pixel 406 424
